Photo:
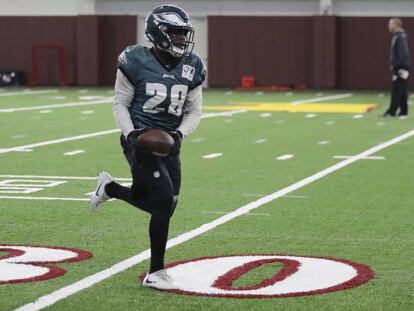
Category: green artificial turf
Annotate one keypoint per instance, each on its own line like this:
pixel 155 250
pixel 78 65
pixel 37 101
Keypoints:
pixel 362 212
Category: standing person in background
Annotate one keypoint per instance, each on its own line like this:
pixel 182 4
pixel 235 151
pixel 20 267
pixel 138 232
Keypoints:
pixel 400 69
pixel 156 88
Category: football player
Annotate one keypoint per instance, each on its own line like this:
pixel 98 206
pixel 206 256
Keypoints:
pixel 158 87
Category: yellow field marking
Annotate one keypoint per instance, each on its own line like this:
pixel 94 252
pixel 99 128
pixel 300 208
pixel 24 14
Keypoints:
pixel 289 107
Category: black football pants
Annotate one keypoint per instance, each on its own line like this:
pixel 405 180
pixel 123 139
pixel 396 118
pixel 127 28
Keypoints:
pixel 155 187
pixel 399 97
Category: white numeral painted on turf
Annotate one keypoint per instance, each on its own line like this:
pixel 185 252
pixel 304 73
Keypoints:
pixel 30 263
pixel 159 93
pixel 299 276
pixel 24 186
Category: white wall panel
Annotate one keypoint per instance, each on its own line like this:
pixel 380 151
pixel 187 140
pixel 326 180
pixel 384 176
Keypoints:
pixel 373 7
pixel 215 7
pixel 46 7
pixel 211 7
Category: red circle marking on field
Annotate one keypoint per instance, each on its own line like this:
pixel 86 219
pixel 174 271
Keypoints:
pixel 53 272
pixel 363 274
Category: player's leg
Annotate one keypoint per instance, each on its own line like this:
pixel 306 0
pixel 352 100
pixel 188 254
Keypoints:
pixel 159 224
pixel 111 189
pixel 161 192
pixel 404 98
pixel 395 98
pixel 164 192
pixel 173 165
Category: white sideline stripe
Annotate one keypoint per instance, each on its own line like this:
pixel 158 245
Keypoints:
pixel 64 292
pixel 57 141
pixel 28 93
pixel 42 198
pixel 364 158
pixel 83 136
pixel 320 99
pixel 60 177
pixel 74 104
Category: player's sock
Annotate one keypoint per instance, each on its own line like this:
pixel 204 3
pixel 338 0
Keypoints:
pixel 115 190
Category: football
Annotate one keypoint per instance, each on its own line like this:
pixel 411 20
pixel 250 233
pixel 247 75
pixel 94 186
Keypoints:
pixel 156 141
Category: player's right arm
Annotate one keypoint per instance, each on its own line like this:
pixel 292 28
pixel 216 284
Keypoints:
pixel 124 93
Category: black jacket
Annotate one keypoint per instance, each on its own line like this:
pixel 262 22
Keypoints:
pixel 399 56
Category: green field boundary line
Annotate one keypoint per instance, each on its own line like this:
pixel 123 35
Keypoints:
pixel 69 290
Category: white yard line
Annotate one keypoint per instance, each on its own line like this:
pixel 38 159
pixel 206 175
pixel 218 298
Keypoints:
pixel 74 152
pixel 71 289
pixel 285 157
pixel 320 99
pixel 28 93
pixel 364 158
pixel 212 155
pixel 323 142
pixel 83 136
pixel 207 115
pixel 223 213
pixel 42 198
pixel 60 177
pixel 57 141
pixel 74 104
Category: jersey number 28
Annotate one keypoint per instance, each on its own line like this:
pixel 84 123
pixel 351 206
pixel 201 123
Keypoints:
pixel 159 93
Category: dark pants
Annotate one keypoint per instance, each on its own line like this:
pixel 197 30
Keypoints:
pixel 155 187
pixel 399 98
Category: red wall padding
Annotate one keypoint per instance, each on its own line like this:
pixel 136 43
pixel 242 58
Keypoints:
pixel 19 34
pixel 92 43
pixel 363 51
pixel 320 51
pixel 264 47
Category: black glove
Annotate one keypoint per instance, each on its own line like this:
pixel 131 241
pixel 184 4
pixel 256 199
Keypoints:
pixel 132 137
pixel 178 137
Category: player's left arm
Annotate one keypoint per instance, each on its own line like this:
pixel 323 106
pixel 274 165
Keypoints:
pixel 192 111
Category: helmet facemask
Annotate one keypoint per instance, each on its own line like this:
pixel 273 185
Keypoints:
pixel 176 49
pixel 164 28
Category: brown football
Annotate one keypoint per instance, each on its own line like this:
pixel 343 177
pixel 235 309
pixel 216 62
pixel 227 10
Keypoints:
pixel 156 141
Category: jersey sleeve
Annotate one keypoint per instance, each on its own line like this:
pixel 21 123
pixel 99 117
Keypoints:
pixel 127 63
pixel 200 74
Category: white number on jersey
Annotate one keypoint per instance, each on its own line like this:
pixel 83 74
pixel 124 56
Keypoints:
pixel 159 93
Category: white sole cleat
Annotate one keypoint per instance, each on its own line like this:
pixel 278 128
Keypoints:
pixel 99 196
pixel 160 280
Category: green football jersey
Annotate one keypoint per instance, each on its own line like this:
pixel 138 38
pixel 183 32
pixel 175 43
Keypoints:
pixel 160 93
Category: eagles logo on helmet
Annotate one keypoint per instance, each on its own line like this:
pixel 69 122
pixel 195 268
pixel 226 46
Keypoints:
pixel 163 22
